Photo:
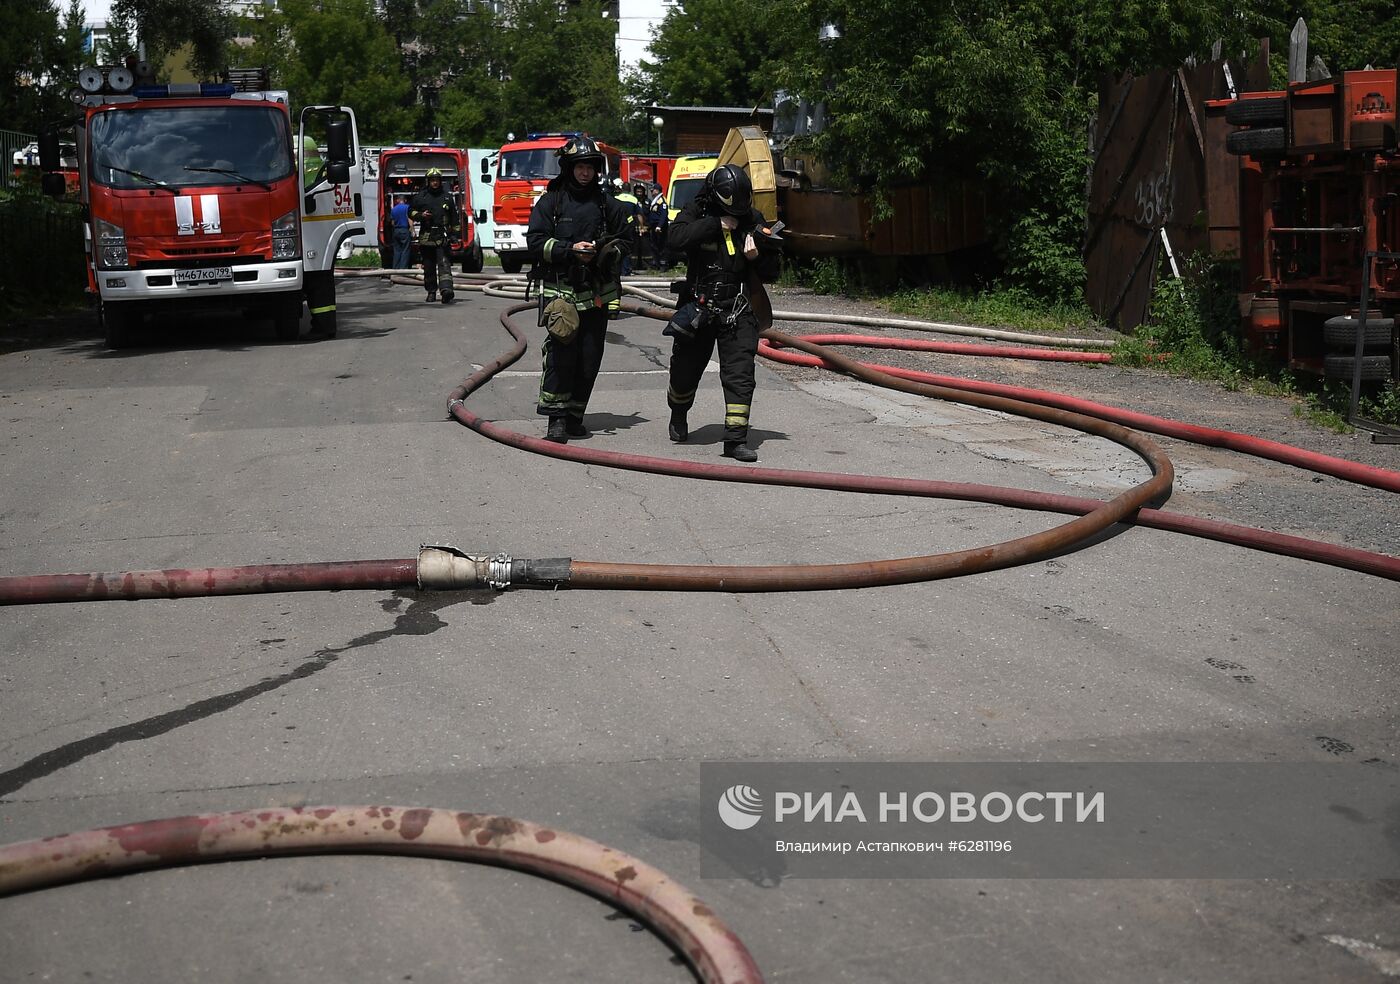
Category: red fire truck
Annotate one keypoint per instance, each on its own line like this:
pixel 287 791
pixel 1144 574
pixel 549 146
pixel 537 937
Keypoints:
pixel 403 170
pixel 201 195
pixel 523 169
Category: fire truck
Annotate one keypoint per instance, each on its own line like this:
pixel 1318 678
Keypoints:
pixel 523 170
pixel 403 170
pixel 206 195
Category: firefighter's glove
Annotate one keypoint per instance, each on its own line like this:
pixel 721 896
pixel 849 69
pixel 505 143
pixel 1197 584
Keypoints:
pixel 610 260
pixel 561 320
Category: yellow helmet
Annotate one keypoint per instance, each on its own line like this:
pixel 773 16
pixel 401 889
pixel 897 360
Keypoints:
pixel 434 172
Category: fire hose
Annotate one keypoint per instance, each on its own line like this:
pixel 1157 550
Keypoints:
pixel 447 568
pixel 689 926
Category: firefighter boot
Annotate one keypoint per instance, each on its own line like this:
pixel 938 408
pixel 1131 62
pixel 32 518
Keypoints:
pixel 558 431
pixel 573 426
pixel 739 451
pixel 432 296
pixel 446 296
pixel 679 430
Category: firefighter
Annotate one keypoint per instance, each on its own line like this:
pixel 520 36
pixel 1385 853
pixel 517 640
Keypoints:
pixel 436 213
pixel 578 237
pixel 720 233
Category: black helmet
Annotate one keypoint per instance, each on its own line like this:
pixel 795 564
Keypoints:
pixel 730 189
pixel 579 150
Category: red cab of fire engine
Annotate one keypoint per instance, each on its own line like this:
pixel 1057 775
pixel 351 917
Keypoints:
pixel 403 172
pixel 523 169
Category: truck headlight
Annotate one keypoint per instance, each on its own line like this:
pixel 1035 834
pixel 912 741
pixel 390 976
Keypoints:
pixel 284 237
pixel 111 246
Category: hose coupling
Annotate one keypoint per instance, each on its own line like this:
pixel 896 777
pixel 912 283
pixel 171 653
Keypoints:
pixel 451 404
pixel 442 567
pixel 498 575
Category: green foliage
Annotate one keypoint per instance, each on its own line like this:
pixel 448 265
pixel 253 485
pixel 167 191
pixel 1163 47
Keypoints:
pixel 1008 307
pixel 40 52
pixel 165 26
pixel 48 271
pixel 336 52
pixel 710 53
pixel 1192 327
pixel 560 67
pixel 999 92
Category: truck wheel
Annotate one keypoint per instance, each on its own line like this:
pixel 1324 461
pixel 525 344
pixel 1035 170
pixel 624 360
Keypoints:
pixel 1266 111
pixel 511 263
pixel 1373 367
pixel 287 325
pixel 1263 141
pixel 118 325
pixel 1341 332
pixel 474 260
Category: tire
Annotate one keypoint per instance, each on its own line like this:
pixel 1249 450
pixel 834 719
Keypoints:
pixel 511 262
pixel 287 325
pixel 1341 332
pixel 1266 111
pixel 474 260
pixel 119 325
pixel 1266 140
pixel 1373 367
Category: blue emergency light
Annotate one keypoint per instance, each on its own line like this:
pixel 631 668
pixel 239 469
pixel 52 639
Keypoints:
pixel 184 90
pixel 538 136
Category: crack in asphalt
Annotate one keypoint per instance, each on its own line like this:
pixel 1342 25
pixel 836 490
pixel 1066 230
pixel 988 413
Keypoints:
pixel 420 618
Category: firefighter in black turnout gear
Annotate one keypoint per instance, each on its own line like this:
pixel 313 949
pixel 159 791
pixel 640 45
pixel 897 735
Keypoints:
pixel 728 255
pixel 578 237
pixel 436 213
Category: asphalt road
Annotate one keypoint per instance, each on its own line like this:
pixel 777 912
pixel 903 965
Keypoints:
pixel 591 711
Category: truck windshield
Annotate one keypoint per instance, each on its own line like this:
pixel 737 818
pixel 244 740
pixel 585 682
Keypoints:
pixel 683 191
pixel 138 148
pixel 416 164
pixel 540 163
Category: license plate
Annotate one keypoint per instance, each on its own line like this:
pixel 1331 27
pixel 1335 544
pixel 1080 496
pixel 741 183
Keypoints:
pixel 203 275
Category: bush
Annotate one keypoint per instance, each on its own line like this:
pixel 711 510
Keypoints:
pixel 42 241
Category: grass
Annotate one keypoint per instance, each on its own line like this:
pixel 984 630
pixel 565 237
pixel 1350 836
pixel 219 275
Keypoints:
pixel 1192 331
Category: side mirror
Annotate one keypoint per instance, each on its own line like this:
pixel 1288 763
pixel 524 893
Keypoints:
pixel 485 177
pixel 338 145
pixel 485 167
pixel 48 151
pixel 338 173
pixel 481 215
pixel 52 184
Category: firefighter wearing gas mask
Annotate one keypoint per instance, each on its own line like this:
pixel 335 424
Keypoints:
pixel 578 237
pixel 435 211
pixel 728 250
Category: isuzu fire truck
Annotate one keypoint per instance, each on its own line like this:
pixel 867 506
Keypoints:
pixel 403 170
pixel 523 170
pixel 206 195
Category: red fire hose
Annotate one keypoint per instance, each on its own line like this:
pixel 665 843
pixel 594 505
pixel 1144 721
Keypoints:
pixel 683 921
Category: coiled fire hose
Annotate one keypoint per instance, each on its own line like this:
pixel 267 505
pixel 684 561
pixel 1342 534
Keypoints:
pixel 689 926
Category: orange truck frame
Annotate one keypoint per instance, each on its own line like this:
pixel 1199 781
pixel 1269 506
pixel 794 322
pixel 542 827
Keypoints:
pixel 196 195
pixel 523 169
pixel 403 170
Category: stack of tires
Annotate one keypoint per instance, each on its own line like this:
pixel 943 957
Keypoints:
pixel 1262 119
pixel 1340 336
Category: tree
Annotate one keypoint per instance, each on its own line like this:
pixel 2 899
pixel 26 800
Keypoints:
pixel 165 26
pixel 560 68
pixel 336 52
pixel 456 65
pixel 712 53
pixel 41 54
pixel 996 91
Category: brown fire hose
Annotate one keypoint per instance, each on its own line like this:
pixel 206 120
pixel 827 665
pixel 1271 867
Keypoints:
pixel 690 927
